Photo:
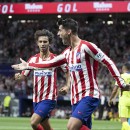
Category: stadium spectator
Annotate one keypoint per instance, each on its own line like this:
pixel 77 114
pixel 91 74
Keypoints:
pixel 82 58
pixel 6 104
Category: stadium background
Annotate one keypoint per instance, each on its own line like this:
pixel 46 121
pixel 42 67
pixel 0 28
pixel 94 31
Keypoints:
pixel 105 23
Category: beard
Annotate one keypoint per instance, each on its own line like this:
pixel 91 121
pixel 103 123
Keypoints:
pixel 66 40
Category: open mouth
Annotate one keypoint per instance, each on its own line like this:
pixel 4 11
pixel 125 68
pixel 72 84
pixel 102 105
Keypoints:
pixel 43 47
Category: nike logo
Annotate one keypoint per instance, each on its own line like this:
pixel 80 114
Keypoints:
pixel 41 111
pixel 79 112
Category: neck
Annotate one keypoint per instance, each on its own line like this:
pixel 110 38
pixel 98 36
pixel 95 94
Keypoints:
pixel 75 41
pixel 44 55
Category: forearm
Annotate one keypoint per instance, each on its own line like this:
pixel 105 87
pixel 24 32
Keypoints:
pixel 68 80
pixel 114 93
pixel 114 71
pixel 57 61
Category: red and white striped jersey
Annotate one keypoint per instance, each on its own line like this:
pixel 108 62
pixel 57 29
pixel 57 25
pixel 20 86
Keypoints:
pixel 83 66
pixel 44 79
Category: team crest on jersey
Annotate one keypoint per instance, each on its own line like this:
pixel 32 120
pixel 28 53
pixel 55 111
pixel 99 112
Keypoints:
pixel 42 73
pixel 75 67
pixel 78 55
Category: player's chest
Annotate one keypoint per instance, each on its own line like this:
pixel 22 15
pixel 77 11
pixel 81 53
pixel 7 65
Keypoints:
pixel 76 56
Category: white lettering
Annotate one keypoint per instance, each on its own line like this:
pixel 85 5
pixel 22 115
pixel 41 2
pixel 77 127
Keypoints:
pixel 128 7
pixel 74 8
pixel 11 9
pixel 60 8
pixel 67 8
pixel 4 9
pixel 101 6
pixel 33 6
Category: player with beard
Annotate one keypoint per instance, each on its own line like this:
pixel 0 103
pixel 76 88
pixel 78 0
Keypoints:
pixel 82 58
pixel 44 89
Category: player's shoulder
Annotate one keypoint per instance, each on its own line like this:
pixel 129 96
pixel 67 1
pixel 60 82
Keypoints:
pixel 66 50
pixel 52 55
pixel 33 57
pixel 36 55
pixel 87 43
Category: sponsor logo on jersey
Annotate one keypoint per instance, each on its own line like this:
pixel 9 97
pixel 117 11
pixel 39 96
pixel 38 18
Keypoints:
pixel 75 67
pixel 42 73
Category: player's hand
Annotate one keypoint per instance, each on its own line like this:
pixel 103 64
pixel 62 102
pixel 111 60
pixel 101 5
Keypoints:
pixel 21 66
pixel 110 102
pixel 17 76
pixel 126 88
pixel 64 90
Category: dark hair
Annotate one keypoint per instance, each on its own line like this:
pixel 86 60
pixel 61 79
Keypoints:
pixel 127 65
pixel 44 32
pixel 69 23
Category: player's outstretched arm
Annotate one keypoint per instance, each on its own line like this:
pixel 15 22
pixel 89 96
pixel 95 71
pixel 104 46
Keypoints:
pixel 22 66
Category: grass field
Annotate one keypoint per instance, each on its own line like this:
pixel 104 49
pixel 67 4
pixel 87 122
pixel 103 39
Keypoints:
pixel 58 124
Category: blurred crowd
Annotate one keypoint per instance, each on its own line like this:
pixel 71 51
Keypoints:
pixel 17 40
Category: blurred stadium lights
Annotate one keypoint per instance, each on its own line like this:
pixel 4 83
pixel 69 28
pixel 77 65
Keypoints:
pixel 10 17
pixel 59 16
pixel 23 21
pixel 110 15
pixel 109 22
pixel 103 22
pixel 123 22
pixel 86 22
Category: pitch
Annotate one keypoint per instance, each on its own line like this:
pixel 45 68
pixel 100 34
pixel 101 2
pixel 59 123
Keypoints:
pixel 15 123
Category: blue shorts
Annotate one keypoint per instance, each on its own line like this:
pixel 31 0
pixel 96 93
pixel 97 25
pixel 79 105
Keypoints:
pixel 44 108
pixel 84 109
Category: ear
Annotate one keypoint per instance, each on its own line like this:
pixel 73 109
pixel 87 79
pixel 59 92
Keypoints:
pixel 69 31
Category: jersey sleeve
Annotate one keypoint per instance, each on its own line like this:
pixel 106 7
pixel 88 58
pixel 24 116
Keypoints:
pixel 55 62
pixel 27 72
pixel 101 57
